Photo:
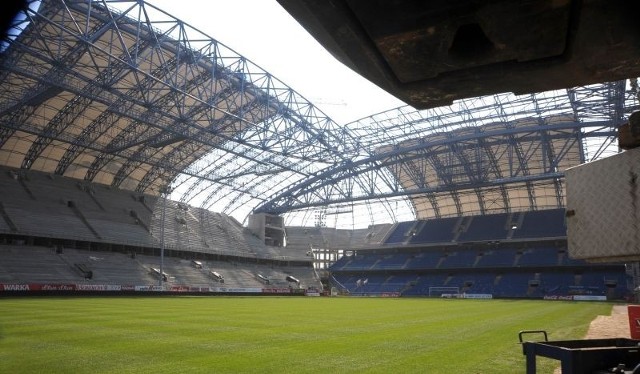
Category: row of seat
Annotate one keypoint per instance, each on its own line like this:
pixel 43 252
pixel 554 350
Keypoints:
pixel 513 284
pixel 31 264
pixel 43 205
pixel 445 258
pixel 491 227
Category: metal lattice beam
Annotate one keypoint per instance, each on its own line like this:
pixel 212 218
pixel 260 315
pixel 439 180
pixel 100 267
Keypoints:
pixel 126 89
pixel 545 143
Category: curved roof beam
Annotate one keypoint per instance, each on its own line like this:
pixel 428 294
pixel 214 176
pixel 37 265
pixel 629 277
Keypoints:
pixel 325 188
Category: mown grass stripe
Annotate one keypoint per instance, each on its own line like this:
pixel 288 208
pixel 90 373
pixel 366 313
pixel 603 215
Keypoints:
pixel 278 335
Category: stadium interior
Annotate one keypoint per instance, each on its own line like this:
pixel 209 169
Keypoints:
pixel 139 154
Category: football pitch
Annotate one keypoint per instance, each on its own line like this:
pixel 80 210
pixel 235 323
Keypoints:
pixel 279 334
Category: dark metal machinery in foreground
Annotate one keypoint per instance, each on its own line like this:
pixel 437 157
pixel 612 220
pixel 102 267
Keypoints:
pixel 589 356
pixel 429 53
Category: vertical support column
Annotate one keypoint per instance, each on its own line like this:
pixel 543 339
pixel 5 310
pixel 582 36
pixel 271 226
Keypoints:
pixel 165 191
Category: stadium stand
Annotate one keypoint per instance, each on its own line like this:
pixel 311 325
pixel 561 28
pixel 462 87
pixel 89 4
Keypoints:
pixel 539 224
pixel 436 231
pixel 459 259
pixel 542 256
pixel 100 227
pixel 490 227
pixel 484 228
pixel 56 229
pixel 479 255
pixel 305 238
pixel 58 207
pixel 392 261
pixel 32 264
pixel 425 260
pixel 503 257
pixel 401 233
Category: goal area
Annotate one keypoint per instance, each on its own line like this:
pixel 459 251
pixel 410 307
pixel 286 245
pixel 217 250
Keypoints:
pixel 444 292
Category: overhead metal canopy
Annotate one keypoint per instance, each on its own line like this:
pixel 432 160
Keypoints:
pixel 136 99
pixel 499 153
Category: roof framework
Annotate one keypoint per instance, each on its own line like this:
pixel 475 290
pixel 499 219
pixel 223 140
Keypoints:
pixel 499 153
pixel 139 100
pixel 135 98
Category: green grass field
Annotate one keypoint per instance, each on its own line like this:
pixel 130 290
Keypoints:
pixel 278 334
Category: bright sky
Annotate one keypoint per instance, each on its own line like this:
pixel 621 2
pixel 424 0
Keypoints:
pixel 266 34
